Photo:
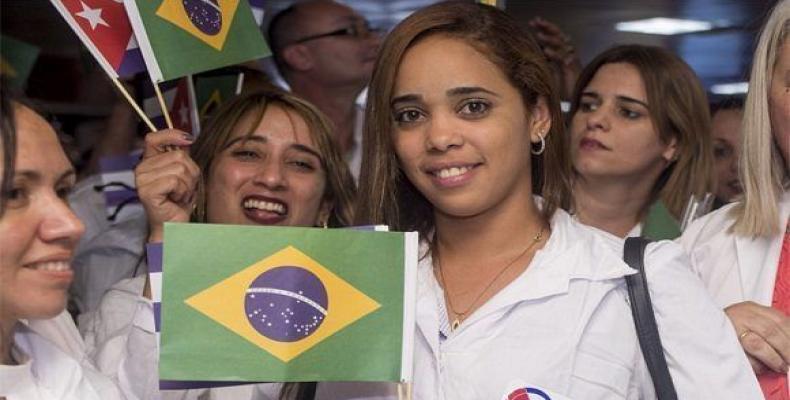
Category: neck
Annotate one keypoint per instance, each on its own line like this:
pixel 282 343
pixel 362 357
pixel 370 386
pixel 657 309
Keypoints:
pixel 610 205
pixel 337 103
pixel 472 242
pixel 7 326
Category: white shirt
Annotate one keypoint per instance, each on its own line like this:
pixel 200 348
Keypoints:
pixel 735 268
pixel 52 367
pixel 565 327
pixel 122 341
pixel 109 250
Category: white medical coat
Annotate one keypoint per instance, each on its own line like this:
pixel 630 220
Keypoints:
pixel 53 365
pixel 565 327
pixel 735 268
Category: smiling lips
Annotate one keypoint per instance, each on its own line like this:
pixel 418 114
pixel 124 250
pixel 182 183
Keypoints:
pixel 60 270
pixel 265 211
pixel 451 176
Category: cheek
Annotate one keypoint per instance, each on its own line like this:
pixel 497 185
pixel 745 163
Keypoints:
pixel 15 238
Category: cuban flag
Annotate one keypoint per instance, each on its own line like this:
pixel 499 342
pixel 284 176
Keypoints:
pixel 104 28
pixel 179 96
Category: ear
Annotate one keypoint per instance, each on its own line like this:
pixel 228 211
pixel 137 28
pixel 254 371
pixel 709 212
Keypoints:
pixel 324 212
pixel 670 154
pixel 540 121
pixel 298 57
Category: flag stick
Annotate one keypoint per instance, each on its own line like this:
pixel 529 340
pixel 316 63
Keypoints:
pixel 134 105
pixel 162 104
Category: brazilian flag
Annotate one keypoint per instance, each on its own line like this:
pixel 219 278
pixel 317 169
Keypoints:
pixel 255 304
pixel 182 37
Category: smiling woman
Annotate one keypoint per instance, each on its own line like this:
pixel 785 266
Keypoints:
pixel 516 296
pixel 42 355
pixel 267 158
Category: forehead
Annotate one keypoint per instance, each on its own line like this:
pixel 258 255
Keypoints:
pixel 37 144
pixel 440 62
pixel 279 125
pixel 327 12
pixel 620 79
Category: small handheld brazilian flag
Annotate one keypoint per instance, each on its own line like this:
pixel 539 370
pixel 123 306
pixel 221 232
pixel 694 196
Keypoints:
pixel 182 37
pixel 279 304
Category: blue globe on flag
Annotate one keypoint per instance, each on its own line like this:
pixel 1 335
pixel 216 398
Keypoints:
pixel 204 15
pixel 286 304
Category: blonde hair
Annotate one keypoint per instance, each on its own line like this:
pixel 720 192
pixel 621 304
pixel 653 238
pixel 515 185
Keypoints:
pixel 386 194
pixel 762 169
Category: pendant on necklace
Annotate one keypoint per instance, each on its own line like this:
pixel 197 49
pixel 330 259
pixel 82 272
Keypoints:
pixel 456 323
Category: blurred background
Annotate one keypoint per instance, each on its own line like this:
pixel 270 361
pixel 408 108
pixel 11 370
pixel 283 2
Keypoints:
pixel 67 82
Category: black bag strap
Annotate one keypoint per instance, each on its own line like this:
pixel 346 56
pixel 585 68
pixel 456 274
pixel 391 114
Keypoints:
pixel 645 320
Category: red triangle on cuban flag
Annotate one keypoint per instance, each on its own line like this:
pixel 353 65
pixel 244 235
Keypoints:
pixel 106 24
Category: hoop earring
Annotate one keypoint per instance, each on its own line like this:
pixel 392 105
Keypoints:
pixel 542 146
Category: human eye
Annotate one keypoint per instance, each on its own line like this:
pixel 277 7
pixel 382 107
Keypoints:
pixel 587 106
pixel 63 191
pixel 474 108
pixel 408 116
pixel 629 113
pixel 303 164
pixel 721 151
pixel 245 154
pixel 17 196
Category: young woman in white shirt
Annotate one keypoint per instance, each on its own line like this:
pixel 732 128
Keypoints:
pixel 42 356
pixel 267 158
pixel 640 134
pixel 514 295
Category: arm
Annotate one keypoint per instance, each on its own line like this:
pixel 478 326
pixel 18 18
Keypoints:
pixel 559 50
pixel 701 348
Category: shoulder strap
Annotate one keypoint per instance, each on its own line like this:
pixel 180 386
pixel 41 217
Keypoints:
pixel 645 320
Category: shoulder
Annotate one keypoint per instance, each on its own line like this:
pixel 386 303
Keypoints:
pixel 711 227
pixel 116 309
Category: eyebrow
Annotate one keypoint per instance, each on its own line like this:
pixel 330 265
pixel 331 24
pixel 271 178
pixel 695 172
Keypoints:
pixel 454 92
pixel 36 176
pixel 264 140
pixel 621 98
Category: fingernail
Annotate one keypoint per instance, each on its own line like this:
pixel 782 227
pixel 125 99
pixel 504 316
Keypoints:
pixel 188 137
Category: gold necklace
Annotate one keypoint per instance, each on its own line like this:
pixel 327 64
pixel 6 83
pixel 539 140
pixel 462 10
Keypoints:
pixel 459 316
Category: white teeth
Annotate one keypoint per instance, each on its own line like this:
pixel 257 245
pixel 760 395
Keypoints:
pixel 451 172
pixel 52 266
pixel 278 208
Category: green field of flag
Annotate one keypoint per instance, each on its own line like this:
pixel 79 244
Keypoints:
pixel 257 304
pixel 17 59
pixel 178 38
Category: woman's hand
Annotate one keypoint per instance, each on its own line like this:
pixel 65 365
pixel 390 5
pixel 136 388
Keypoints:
pixel 764 334
pixel 166 179
pixel 558 49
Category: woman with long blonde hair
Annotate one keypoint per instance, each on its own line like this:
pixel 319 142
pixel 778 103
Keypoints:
pixel 742 251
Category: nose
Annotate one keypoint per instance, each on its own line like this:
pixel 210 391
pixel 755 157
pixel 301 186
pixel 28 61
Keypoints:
pixel 271 175
pixel 442 134
pixel 60 224
pixel 597 119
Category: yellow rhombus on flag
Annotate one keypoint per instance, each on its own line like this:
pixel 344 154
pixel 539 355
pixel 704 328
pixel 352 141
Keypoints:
pixel 233 304
pixel 202 19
